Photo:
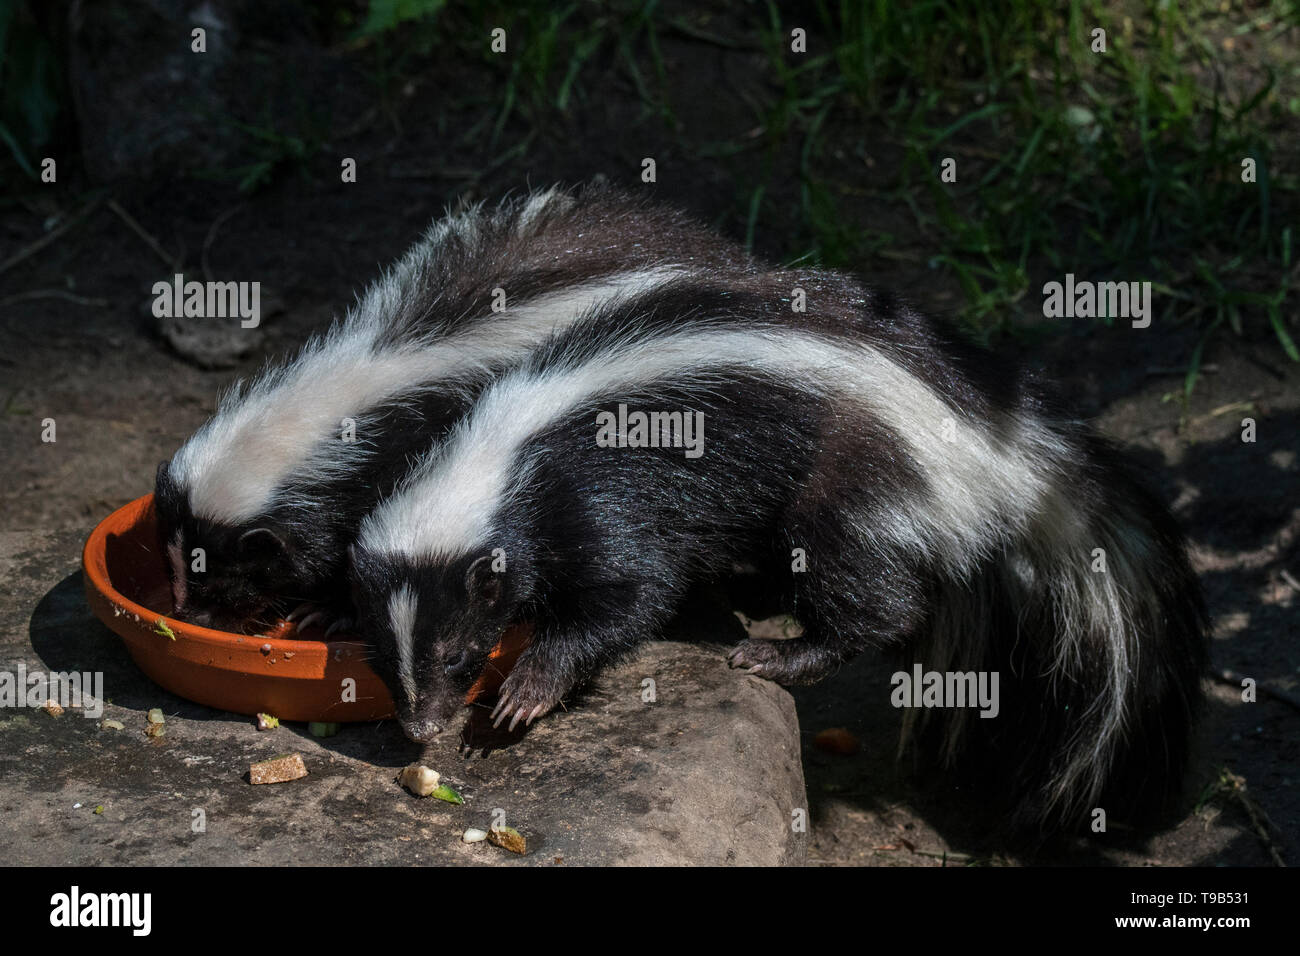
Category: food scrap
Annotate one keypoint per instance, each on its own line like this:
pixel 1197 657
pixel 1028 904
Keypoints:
pixel 474 835
pixel 508 838
pixel 160 627
pixel 52 708
pixel 267 722
pixel 156 725
pixel 107 724
pixel 783 627
pixel 419 779
pixel 279 769
pixel 444 792
pixel 836 740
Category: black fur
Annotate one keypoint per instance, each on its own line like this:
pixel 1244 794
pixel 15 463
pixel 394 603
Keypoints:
pixel 602 545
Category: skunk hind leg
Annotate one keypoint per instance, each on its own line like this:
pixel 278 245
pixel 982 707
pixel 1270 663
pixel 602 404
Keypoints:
pixel 854 601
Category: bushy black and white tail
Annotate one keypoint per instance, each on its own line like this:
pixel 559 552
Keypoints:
pixel 1092 616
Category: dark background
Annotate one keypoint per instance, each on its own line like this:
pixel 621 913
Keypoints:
pixel 1120 165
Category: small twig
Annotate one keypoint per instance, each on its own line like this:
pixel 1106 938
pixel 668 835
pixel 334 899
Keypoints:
pixel 955 857
pixel 1248 406
pixel 212 235
pixel 52 294
pixel 1258 818
pixel 140 231
pixel 1233 679
pixel 48 238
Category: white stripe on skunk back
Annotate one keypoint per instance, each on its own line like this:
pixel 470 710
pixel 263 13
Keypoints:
pixel 984 488
pixel 234 464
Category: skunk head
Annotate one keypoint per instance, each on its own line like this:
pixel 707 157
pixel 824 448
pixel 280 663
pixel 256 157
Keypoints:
pixel 221 576
pixel 430 627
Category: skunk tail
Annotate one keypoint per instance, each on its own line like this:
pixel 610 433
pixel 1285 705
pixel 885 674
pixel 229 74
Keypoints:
pixel 1093 618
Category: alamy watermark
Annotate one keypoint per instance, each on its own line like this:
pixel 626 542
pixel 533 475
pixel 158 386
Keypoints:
pixel 133 911
pixel 23 688
pixel 1091 300
pixel 922 688
pixel 637 429
pixel 213 300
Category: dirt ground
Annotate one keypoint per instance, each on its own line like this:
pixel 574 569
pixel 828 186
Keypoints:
pixel 77 344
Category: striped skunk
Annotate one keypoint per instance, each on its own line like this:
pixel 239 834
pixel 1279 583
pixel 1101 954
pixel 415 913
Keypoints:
pixel 258 506
pixel 898 487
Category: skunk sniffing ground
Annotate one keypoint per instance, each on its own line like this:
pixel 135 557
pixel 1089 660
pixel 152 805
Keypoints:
pixel 271 489
pixel 902 490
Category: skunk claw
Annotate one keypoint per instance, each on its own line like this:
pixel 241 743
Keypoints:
pixel 313 618
pixel 340 624
pixel 300 610
pixel 500 709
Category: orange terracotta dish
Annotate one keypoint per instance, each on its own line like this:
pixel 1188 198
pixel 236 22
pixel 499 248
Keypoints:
pixel 277 673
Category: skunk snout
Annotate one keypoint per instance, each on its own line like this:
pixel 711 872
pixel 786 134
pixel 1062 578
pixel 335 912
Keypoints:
pixel 422 729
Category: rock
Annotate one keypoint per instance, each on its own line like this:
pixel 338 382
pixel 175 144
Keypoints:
pixel 127 63
pixel 508 838
pixel 131 62
pixel 669 758
pixel 211 343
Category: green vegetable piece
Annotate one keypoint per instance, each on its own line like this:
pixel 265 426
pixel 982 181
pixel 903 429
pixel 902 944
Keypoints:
pixel 160 627
pixel 444 792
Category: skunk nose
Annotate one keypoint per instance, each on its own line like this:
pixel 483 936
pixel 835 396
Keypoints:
pixel 422 730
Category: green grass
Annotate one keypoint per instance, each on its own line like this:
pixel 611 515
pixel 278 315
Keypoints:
pixel 1123 165
pixel 1115 165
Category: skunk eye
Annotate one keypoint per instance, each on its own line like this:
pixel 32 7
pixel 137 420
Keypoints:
pixel 456 663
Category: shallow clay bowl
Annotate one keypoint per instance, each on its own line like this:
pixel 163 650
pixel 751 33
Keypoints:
pixel 283 675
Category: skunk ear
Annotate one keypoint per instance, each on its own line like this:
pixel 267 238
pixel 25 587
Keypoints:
pixel 162 477
pixel 261 542
pixel 482 583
